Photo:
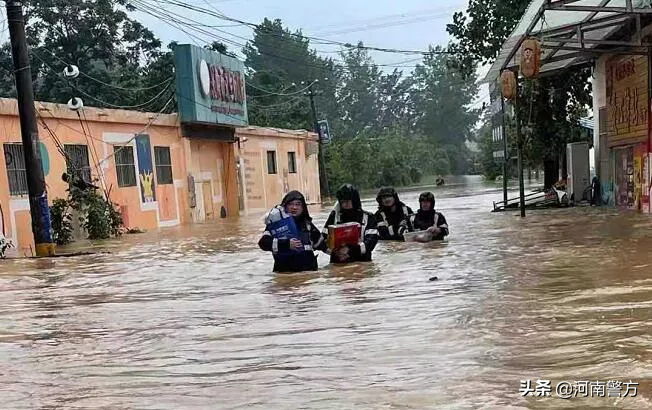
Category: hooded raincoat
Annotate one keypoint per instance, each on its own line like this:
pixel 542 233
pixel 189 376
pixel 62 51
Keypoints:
pixel 286 259
pixel 392 224
pixel 423 220
pixel 368 234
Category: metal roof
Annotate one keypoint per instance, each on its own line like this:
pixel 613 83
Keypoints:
pixel 573 32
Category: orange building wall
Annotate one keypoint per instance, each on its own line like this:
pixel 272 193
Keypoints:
pixel 213 165
pixel 264 190
pixel 101 129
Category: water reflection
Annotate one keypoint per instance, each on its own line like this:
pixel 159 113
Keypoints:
pixel 167 316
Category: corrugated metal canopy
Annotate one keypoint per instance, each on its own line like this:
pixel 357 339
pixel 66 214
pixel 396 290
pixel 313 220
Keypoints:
pixel 572 32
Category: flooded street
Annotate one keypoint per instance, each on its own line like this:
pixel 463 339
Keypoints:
pixel 194 318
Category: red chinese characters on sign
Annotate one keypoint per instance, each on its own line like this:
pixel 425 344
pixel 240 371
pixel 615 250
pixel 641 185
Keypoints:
pixel 226 85
pixel 627 97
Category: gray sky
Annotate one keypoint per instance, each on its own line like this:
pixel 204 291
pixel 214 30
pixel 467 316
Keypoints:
pixel 409 24
pixel 406 25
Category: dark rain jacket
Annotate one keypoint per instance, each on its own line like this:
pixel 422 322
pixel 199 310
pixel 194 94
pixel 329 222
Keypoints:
pixel 392 225
pixel 369 232
pixel 423 220
pixel 286 259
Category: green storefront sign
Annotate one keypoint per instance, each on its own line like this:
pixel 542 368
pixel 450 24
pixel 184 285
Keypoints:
pixel 210 87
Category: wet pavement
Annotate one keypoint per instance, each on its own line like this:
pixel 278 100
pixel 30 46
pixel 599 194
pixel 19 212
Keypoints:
pixel 193 317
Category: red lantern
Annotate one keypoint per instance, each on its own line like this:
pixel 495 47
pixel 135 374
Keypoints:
pixel 530 58
pixel 508 81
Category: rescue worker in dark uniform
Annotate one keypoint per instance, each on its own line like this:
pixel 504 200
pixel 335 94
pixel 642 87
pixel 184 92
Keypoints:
pixel 428 219
pixel 392 215
pixel 293 255
pixel 349 209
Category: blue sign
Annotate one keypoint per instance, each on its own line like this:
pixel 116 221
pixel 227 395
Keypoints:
pixel 324 132
pixel 210 87
pixel 145 168
pixel 45 159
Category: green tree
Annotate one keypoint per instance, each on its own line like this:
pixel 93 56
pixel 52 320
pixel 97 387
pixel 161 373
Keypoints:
pixel 444 97
pixel 550 107
pixel 98 37
pixel 280 65
pixel 482 29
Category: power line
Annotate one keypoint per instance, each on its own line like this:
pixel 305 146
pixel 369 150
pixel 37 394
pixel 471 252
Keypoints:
pixel 221 16
pixel 97 80
pixel 169 19
pixel 107 104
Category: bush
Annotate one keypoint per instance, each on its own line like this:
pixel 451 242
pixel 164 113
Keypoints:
pixel 99 217
pixel 61 220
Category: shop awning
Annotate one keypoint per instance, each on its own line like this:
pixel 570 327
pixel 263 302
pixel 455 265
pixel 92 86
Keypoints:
pixel 574 32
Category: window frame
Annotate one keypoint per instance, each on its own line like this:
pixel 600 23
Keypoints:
pixel 272 167
pixel 162 170
pixel 85 170
pixel 117 149
pixel 18 185
pixel 292 162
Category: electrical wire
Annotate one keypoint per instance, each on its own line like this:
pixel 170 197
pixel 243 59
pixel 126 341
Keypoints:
pixel 318 40
pixel 105 83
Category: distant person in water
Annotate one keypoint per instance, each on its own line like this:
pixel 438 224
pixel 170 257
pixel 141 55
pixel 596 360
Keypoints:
pixel 349 209
pixel 293 255
pixel 392 215
pixel 428 219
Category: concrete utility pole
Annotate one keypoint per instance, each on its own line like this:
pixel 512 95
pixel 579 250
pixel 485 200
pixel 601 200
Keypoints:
pixel 323 180
pixel 505 155
pixel 38 199
pixel 519 147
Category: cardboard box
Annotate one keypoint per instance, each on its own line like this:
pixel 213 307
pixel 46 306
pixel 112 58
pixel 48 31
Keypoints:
pixel 343 234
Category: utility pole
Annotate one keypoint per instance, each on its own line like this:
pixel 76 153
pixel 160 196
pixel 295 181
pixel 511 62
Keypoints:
pixel 38 199
pixel 505 157
pixel 323 181
pixel 519 147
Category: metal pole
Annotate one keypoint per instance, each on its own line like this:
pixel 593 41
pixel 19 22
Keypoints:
pixel 502 107
pixel 519 148
pixel 38 200
pixel 323 181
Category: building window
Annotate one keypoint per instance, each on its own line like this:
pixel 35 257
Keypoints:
pixel 124 165
pixel 271 162
pixel 16 171
pixel 292 162
pixel 77 161
pixel 163 163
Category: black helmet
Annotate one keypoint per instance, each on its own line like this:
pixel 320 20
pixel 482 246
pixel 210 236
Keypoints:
pixel 349 192
pixel 427 197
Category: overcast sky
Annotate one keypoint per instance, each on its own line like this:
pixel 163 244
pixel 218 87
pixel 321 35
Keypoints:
pixel 409 24
pixel 405 25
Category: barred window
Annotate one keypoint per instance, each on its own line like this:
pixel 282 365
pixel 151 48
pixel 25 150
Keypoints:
pixel 271 162
pixel 77 161
pixel 16 170
pixel 292 162
pixel 163 162
pixel 125 165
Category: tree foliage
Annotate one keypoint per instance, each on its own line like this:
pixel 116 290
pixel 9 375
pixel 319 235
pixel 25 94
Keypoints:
pixel 101 39
pixel 550 107
pixel 389 127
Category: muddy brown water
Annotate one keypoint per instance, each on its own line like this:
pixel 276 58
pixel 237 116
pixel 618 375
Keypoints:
pixel 193 317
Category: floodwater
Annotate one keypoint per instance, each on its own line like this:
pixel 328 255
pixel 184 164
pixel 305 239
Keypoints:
pixel 193 318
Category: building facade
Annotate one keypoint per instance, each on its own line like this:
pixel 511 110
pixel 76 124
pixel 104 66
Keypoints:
pixel 158 177
pixel 622 138
pixel 162 170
